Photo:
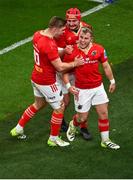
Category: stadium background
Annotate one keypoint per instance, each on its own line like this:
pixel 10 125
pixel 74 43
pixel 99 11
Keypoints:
pixel 113 27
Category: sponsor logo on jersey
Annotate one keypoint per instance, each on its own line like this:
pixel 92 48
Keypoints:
pixel 88 61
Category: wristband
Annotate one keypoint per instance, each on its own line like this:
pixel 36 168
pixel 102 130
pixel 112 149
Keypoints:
pixel 68 85
pixel 112 81
pixel 60 49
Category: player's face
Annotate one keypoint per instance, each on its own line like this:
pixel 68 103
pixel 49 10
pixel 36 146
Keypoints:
pixel 59 31
pixel 84 40
pixel 73 24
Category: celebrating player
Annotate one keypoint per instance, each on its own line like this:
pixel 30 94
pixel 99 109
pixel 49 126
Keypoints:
pixel 89 89
pixel 66 41
pixel 46 89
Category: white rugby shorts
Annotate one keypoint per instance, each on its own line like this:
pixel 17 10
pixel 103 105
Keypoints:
pixel 52 93
pixel 89 97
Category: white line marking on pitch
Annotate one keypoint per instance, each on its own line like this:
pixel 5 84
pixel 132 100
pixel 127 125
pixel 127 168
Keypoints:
pixel 22 42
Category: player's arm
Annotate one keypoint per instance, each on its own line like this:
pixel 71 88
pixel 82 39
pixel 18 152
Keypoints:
pixel 109 74
pixel 62 66
pixel 71 89
pixel 66 50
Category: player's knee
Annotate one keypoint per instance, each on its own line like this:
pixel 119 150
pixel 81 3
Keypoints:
pixel 39 105
pixel 60 109
pixel 103 115
pixel 83 117
pixel 66 100
pixel 62 105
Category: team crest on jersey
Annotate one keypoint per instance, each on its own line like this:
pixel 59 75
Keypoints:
pixel 94 53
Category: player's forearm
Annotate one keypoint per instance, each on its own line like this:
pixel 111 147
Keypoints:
pixel 65 78
pixel 109 74
pixel 66 66
pixel 62 66
pixel 108 71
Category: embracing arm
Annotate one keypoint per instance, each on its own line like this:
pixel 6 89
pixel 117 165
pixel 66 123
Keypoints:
pixel 61 66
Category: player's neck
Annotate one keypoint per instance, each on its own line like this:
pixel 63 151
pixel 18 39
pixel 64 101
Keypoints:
pixel 47 33
pixel 86 50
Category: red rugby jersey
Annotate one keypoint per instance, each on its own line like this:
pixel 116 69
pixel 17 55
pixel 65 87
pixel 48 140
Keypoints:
pixel 88 76
pixel 45 51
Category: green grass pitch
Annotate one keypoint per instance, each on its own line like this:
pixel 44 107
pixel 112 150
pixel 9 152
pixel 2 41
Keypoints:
pixel 32 158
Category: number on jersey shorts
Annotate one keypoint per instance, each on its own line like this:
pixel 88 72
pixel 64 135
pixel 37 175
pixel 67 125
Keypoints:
pixel 63 86
pixel 52 93
pixel 89 97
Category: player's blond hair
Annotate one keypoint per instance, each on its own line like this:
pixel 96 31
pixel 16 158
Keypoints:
pixel 86 30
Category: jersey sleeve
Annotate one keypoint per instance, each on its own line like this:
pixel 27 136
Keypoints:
pixel 104 57
pixel 52 51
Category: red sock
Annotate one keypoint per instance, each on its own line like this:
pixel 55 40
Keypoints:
pixel 56 121
pixel 103 125
pixel 75 120
pixel 27 115
pixel 83 124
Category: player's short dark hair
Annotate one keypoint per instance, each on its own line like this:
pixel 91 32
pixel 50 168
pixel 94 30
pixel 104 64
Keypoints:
pixel 57 22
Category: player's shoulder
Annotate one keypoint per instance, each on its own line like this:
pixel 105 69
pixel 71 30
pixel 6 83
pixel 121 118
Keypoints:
pixel 37 34
pixel 98 46
pixel 84 24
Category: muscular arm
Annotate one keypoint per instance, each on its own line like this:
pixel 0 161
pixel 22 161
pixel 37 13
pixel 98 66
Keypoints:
pixel 65 78
pixel 109 75
pixel 107 70
pixel 62 66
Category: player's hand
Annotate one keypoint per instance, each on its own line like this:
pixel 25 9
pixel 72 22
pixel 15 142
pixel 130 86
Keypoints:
pixel 73 90
pixel 69 49
pixel 78 61
pixel 112 88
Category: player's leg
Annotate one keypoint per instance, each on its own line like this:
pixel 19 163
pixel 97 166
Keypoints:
pixel 76 122
pixel 103 125
pixel 83 126
pixel 101 105
pixel 55 126
pixel 54 97
pixel 64 125
pixel 82 107
pixel 30 112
